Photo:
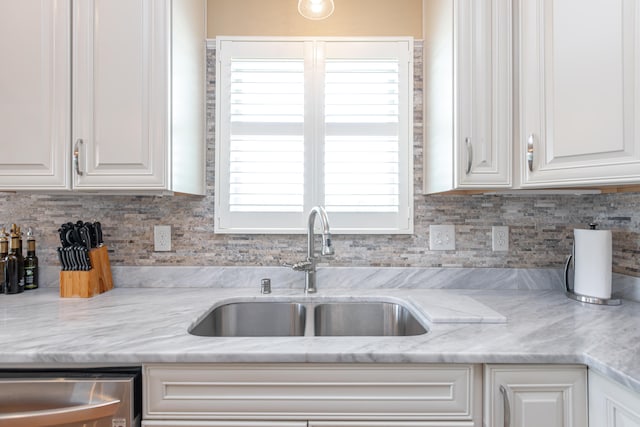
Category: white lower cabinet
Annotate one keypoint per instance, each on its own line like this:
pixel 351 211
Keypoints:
pixel 611 404
pixel 535 396
pixel 313 395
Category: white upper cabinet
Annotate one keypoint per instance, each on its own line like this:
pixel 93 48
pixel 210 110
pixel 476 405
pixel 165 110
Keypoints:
pixel 120 94
pixel 137 112
pixel 579 92
pixel 35 94
pixel 468 94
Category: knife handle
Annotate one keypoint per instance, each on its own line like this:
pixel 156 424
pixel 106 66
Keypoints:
pixel 63 262
pixel 71 256
pixel 85 237
pixel 98 227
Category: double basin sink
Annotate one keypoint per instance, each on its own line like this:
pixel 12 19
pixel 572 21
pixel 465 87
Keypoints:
pixel 291 318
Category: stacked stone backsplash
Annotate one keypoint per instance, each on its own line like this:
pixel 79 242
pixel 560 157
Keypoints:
pixel 541 227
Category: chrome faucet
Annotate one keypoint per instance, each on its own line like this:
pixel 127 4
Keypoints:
pixel 309 266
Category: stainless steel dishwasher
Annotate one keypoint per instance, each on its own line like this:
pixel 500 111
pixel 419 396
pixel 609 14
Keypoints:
pixel 108 397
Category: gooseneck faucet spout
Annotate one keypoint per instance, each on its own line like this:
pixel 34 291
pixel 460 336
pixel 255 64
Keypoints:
pixel 309 266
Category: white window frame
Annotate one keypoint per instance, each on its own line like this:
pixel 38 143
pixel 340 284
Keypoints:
pixel 295 223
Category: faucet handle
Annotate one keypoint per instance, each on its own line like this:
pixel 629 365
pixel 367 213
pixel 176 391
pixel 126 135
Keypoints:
pixel 300 266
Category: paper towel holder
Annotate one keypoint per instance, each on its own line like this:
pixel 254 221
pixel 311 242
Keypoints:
pixel 569 291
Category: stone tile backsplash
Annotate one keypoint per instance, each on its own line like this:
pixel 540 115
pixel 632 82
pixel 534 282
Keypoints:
pixel 541 227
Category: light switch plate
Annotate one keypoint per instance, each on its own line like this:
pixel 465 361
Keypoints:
pixel 442 237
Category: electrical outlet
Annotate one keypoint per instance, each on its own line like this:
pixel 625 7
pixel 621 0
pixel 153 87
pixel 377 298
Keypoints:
pixel 500 238
pixel 442 237
pixel 162 238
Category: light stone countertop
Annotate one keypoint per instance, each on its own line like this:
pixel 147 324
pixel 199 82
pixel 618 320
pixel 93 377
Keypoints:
pixel 131 326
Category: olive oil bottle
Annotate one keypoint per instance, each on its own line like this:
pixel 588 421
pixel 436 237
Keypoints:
pixel 15 230
pixel 12 266
pixel 31 263
pixel 4 251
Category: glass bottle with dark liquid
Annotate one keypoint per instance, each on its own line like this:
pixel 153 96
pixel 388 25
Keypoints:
pixel 31 263
pixel 4 251
pixel 19 253
pixel 12 267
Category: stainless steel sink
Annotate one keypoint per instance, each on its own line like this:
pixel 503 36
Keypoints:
pixel 309 318
pixel 365 319
pixel 253 319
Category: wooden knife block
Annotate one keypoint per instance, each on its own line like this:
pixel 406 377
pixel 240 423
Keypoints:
pixel 85 284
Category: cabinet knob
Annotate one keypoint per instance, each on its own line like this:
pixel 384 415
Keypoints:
pixel 76 157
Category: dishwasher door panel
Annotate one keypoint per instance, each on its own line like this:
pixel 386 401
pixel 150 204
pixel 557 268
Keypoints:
pixel 69 402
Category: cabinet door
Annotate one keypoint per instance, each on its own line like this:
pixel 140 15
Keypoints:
pixel 35 124
pixel 483 103
pixel 250 423
pixel 534 396
pixel 612 405
pixel 120 91
pixel 579 68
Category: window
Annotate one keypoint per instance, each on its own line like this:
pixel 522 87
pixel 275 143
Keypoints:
pixel 305 122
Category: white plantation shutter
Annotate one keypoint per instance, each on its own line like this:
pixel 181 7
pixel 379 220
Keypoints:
pixel 305 122
pixel 266 136
pixel 361 139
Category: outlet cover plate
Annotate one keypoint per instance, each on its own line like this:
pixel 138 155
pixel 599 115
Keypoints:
pixel 442 237
pixel 500 238
pixel 162 238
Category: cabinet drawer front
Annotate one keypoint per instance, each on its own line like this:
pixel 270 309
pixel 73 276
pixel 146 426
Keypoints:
pixel 227 423
pixel 174 423
pixel 311 391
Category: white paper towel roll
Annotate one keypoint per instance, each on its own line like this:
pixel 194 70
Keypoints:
pixel 592 263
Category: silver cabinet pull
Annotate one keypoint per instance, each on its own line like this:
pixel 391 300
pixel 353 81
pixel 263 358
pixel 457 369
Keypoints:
pixel 76 157
pixel 467 142
pixel 530 142
pixel 507 406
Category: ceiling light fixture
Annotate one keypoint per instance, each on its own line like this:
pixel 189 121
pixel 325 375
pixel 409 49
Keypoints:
pixel 315 9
